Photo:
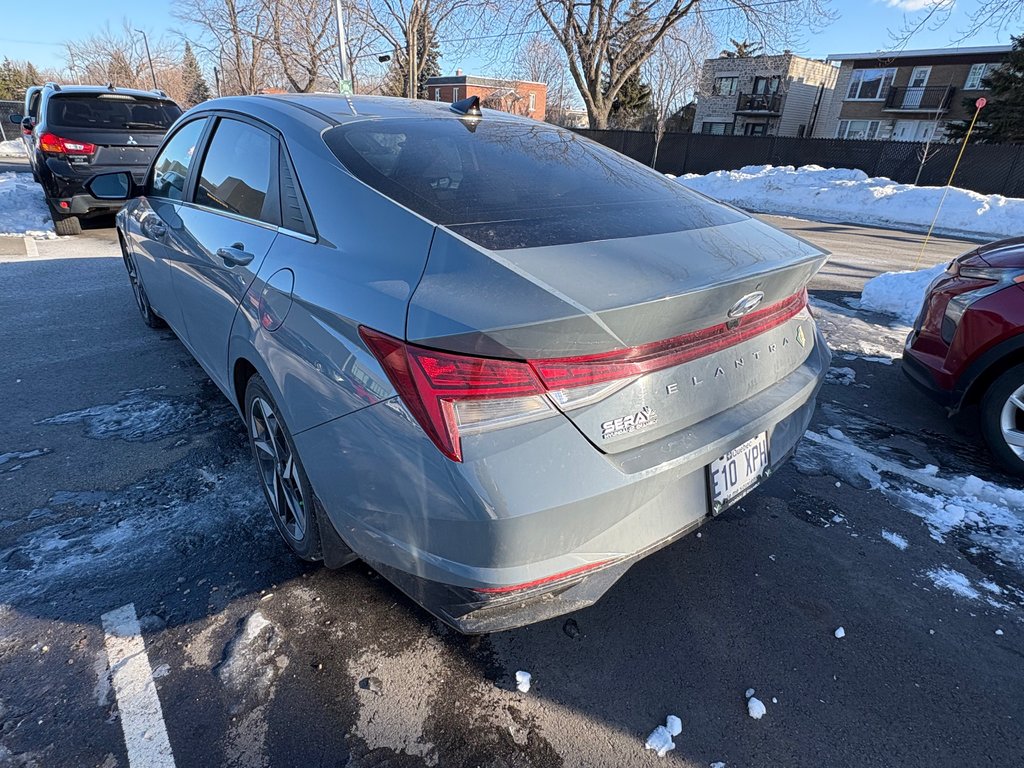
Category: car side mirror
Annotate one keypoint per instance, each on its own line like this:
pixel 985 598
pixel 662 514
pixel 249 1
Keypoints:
pixel 113 186
pixel 16 119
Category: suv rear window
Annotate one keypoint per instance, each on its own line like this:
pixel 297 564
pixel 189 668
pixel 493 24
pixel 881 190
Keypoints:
pixel 111 111
pixel 505 184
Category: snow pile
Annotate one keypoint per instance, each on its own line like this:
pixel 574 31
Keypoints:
pixel 755 707
pixel 12 148
pixel 841 194
pixel 23 208
pixel 899 293
pixel 660 739
pixel 850 335
pixel 523 681
pixel 842 376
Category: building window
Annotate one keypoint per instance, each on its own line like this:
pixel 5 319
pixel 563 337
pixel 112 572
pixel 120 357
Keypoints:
pixel 437 94
pixel 725 86
pixel 870 84
pixel 533 101
pixel 755 129
pixel 716 129
pixel 455 95
pixel 975 76
pixel 857 129
pixel 766 85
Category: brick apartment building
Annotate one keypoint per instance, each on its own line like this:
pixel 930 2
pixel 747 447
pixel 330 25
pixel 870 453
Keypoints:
pixel 905 95
pixel 762 95
pixel 516 96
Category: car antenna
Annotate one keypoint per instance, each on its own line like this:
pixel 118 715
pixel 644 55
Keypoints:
pixel 110 86
pixel 467 107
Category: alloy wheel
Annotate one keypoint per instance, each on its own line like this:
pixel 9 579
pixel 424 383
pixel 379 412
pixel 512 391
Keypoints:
pixel 1011 422
pixel 278 470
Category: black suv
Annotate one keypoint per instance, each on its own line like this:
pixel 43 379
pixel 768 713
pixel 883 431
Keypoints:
pixel 81 130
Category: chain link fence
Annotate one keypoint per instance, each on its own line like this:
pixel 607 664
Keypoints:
pixel 985 168
pixel 9 130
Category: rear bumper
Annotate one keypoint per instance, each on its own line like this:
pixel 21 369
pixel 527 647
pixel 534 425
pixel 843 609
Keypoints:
pixel 535 502
pixel 921 375
pixel 64 183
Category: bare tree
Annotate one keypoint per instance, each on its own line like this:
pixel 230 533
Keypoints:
pixel 540 60
pixel 235 35
pixel 117 56
pixel 673 71
pixel 987 15
pixel 302 35
pixel 607 42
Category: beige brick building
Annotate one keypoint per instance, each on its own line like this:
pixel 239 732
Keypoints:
pixel 905 95
pixel 762 95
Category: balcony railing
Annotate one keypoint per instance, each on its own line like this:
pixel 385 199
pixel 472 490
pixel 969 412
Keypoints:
pixel 761 103
pixel 924 98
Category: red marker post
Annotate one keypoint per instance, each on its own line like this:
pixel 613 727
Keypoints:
pixel 978 106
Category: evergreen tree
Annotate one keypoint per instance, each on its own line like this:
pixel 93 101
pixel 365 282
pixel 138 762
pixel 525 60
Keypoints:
pixel 192 80
pixel 743 49
pixel 32 76
pixel 10 79
pixel 1002 119
pixel 633 101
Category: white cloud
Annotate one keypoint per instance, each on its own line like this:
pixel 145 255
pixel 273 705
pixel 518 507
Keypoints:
pixel 912 6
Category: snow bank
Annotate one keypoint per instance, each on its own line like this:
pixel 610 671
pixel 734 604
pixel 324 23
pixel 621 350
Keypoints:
pixel 841 194
pixel 900 293
pixel 12 148
pixel 23 208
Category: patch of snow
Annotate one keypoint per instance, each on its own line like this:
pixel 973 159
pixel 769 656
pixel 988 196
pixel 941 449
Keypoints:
pixel 845 195
pixel 660 741
pixel 840 633
pixel 999 632
pixel 953 581
pixel 844 377
pixel 756 708
pixel 674 725
pixel 523 681
pixel 895 539
pixel 899 293
pixel 749 692
pixel 13 148
pixel 718 764
pixel 853 337
pixel 23 210
pixel 990 586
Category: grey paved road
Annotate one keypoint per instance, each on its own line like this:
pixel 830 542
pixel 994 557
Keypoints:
pixel 124 479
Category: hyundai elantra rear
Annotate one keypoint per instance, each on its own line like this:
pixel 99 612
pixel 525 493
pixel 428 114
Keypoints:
pixel 498 362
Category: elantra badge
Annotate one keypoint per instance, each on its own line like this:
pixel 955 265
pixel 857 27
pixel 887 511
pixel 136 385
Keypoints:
pixel 746 304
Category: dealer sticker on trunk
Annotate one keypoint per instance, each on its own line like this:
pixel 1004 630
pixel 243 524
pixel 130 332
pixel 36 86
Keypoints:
pixel 634 422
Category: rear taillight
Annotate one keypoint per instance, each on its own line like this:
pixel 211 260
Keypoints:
pixel 452 395
pixel 54 144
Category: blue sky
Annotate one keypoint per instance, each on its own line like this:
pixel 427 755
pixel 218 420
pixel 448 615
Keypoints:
pixel 863 25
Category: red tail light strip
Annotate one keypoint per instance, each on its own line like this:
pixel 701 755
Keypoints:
pixel 54 144
pixel 429 381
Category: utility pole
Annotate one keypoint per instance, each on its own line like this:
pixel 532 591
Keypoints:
pixel 344 72
pixel 152 72
pixel 413 24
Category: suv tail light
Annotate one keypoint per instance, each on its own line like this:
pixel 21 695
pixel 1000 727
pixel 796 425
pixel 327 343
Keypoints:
pixel 54 144
pixel 451 395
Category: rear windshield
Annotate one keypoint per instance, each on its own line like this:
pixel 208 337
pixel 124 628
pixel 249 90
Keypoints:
pixel 505 184
pixel 114 110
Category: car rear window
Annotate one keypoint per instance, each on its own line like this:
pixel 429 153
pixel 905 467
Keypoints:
pixel 111 111
pixel 505 184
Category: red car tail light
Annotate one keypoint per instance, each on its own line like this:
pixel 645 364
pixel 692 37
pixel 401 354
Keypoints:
pixel 451 395
pixel 54 144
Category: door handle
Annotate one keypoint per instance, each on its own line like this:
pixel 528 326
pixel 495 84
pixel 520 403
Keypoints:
pixel 153 229
pixel 235 255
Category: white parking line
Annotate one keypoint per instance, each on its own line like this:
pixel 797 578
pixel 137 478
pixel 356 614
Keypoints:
pixel 31 249
pixel 142 720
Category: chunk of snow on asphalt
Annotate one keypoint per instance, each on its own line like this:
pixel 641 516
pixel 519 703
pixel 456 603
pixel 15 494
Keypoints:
pixel 841 376
pixel 999 632
pixel 523 681
pixel 954 581
pixel 990 586
pixel 900 294
pixel 845 195
pixel 12 148
pixel 749 692
pixel 718 764
pixel 23 208
pixel 674 725
pixel 895 539
pixel 992 516
pixel 756 708
pixel 840 633
pixel 660 741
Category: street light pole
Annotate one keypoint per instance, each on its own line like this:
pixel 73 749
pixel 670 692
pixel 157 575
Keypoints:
pixel 344 72
pixel 152 72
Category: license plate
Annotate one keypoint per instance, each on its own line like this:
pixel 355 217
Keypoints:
pixel 732 475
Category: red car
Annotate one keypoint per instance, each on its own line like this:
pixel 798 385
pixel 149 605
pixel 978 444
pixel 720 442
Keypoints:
pixel 967 345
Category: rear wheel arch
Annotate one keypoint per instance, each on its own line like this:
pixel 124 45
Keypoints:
pixel 242 371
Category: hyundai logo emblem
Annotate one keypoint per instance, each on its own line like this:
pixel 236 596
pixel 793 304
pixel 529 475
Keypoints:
pixel 746 304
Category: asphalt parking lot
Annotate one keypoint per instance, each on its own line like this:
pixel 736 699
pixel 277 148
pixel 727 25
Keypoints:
pixel 128 493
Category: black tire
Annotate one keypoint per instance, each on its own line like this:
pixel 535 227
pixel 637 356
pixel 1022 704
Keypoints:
pixel 66 225
pixel 149 317
pixel 35 177
pixel 1001 417
pixel 281 474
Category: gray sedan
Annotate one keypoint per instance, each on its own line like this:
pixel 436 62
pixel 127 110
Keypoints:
pixel 496 361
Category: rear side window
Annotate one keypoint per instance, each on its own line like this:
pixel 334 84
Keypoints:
pixel 239 171
pixel 111 111
pixel 505 184
pixel 33 105
pixel 171 166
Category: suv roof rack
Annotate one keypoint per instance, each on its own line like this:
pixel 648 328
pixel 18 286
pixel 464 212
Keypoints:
pixel 51 84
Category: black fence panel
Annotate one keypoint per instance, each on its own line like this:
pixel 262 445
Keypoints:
pixel 985 168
